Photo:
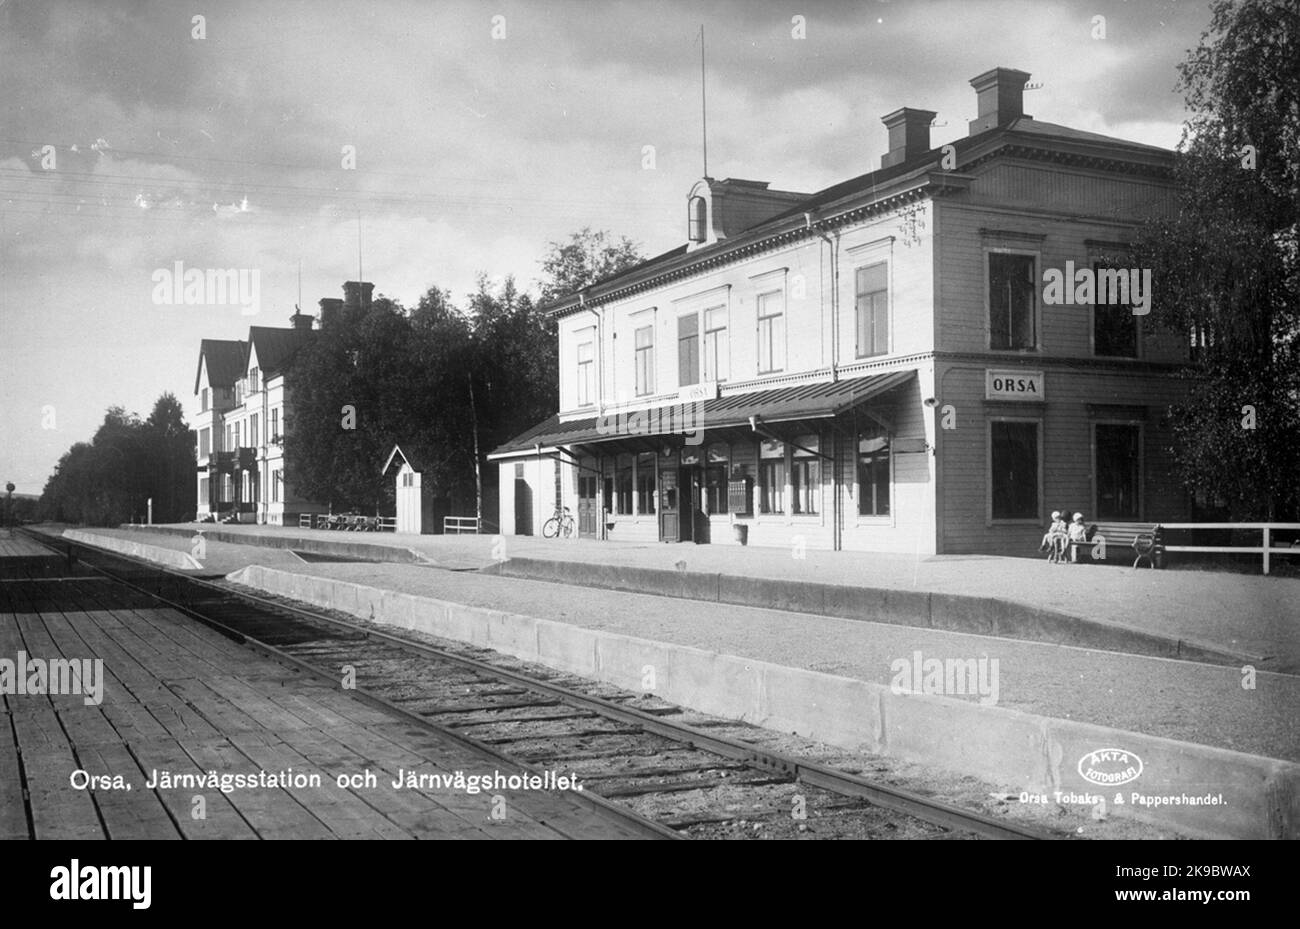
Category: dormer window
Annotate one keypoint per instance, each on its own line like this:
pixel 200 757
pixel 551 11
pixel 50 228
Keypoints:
pixel 697 214
pixel 252 380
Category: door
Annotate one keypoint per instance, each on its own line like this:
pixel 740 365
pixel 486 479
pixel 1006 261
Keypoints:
pixel 670 521
pixel 699 519
pixel 523 503
pixel 587 512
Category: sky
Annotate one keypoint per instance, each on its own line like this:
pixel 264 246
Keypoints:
pixel 433 142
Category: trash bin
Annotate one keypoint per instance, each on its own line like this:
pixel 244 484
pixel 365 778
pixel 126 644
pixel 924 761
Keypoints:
pixel 741 531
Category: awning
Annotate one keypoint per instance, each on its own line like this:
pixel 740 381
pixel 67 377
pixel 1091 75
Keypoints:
pixel 821 400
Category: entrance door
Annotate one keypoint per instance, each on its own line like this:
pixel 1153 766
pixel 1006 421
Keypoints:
pixel 670 521
pixel 587 512
pixel 523 503
pixel 699 519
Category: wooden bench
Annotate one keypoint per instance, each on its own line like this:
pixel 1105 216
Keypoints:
pixel 1145 539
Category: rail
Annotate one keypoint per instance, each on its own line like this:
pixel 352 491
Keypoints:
pixel 1267 548
pixel 459 524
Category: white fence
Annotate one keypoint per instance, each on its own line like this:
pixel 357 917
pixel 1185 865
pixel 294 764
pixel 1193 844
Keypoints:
pixel 1265 548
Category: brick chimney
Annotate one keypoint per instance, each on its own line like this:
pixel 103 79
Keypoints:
pixel 356 297
pixel 331 309
pixel 300 320
pixel 1000 93
pixel 909 134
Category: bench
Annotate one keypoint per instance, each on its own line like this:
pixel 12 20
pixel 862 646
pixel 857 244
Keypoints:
pixel 1145 539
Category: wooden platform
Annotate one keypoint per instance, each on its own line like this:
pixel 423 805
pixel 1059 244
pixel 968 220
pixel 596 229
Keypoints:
pixel 179 697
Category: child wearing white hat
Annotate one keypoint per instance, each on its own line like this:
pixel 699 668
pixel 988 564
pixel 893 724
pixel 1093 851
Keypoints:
pixel 1055 537
pixel 1078 533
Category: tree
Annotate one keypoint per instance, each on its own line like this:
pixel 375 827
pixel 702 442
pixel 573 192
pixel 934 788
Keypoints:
pixel 586 258
pixel 1225 263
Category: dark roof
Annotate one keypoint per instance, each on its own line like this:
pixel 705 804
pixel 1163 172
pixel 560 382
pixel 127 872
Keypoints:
pixel 275 347
pixel 818 400
pixel 225 359
pixel 1025 131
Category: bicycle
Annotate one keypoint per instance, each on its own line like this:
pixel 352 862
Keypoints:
pixel 560 523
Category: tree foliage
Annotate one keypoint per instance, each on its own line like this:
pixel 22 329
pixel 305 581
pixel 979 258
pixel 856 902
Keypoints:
pixel 108 480
pixel 586 258
pixel 1225 262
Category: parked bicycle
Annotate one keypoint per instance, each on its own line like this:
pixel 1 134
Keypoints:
pixel 559 524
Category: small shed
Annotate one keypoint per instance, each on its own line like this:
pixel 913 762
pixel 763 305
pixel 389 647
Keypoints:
pixel 415 509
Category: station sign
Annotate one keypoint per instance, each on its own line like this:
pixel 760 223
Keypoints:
pixel 1015 384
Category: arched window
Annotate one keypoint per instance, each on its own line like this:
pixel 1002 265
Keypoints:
pixel 697 219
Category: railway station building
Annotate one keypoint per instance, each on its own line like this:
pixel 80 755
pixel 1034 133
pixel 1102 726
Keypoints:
pixel 878 366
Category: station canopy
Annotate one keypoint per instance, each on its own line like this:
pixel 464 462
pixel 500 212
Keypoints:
pixel 800 404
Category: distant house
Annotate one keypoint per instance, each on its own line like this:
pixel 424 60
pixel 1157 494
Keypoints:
pixel 244 404
pixel 877 366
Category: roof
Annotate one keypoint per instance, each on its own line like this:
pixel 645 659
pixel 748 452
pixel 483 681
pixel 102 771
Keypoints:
pixel 414 454
pixel 819 400
pixel 225 358
pixel 1024 131
pixel 275 347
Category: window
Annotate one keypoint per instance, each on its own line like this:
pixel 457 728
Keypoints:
pixel 645 372
pixel 230 438
pixel 1014 462
pixel 239 391
pixel 645 484
pixel 805 476
pixel 585 369
pixel 771 332
pixel 205 440
pixel 688 349
pixel 252 430
pixel 771 477
pixel 1118 468
pixel 1012 305
pixel 1114 327
pixel 623 485
pixel 871 307
pixel 873 474
pixel 697 219
pixel 277 480
pixel 237 444
pixel 715 344
pixel 203 491
pixel 715 478
pixel 252 381
pixel 203 400
pixel 275 424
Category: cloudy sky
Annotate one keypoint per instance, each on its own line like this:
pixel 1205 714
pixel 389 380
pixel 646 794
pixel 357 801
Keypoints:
pixel 133 137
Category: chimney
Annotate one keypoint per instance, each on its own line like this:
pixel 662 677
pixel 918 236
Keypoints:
pixel 909 134
pixel 331 308
pixel 300 321
pixel 356 297
pixel 1000 93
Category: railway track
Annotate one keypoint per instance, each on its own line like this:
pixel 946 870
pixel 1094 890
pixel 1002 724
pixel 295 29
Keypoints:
pixel 628 750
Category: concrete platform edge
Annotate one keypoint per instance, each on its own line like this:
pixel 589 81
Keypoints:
pixel 155 553
pixel 946 612
pixel 1023 752
pixel 328 544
